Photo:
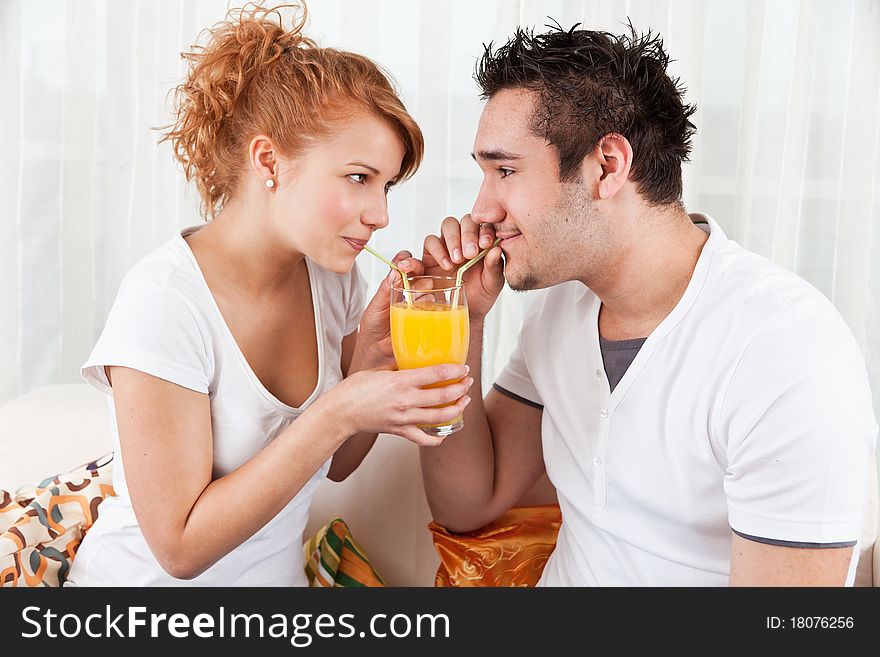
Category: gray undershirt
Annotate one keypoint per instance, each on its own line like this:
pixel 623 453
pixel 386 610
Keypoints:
pixel 617 356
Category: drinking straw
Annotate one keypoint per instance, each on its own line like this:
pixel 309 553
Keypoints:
pixel 407 293
pixel 461 270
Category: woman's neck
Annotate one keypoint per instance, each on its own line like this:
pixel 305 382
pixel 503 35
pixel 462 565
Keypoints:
pixel 239 249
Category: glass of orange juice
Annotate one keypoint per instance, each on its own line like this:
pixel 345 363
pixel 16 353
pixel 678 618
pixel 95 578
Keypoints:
pixel 429 326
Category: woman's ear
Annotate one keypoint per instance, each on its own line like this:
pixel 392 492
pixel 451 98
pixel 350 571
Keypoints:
pixel 261 153
pixel 614 156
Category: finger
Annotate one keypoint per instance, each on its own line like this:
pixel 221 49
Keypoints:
pixel 409 264
pixel 446 414
pixel 487 235
pixel 401 255
pixel 447 394
pixel 419 437
pixel 423 376
pixel 436 252
pixel 451 232
pixel 470 236
pixel 493 265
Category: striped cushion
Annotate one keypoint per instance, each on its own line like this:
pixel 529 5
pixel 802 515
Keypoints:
pixel 334 559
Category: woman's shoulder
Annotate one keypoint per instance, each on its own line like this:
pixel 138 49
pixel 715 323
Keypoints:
pixel 161 266
pixel 169 267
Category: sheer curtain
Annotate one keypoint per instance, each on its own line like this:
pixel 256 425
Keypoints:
pixel 786 158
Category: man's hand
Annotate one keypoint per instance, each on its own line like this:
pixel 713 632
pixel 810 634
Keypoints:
pixel 457 243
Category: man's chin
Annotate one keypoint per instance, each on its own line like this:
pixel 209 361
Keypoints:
pixel 522 282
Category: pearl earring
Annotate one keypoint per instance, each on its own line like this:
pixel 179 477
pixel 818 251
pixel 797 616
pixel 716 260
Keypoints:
pixel 270 183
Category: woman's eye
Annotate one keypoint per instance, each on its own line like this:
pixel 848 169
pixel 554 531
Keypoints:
pixel 505 172
pixel 360 178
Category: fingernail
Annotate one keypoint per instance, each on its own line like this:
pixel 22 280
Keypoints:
pixel 404 264
pixel 470 250
pixel 456 254
pixel 470 382
pixel 467 368
pixel 447 263
pixel 485 241
pixel 467 400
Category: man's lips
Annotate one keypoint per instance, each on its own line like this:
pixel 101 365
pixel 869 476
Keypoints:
pixel 357 245
pixel 506 239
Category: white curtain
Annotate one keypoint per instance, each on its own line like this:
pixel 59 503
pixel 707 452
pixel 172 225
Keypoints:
pixel 786 158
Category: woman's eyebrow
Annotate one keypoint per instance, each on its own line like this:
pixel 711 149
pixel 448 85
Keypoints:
pixel 365 166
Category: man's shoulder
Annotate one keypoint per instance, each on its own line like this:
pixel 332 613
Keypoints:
pixel 751 286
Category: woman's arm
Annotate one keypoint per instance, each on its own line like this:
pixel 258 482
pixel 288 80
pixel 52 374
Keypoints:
pixel 353 451
pixel 191 521
pixel 188 520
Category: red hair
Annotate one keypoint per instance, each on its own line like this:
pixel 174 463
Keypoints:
pixel 256 77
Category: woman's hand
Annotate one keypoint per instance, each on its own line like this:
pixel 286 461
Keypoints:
pixel 373 349
pixel 396 402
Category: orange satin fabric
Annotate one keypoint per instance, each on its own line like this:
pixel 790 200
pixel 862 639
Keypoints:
pixel 510 551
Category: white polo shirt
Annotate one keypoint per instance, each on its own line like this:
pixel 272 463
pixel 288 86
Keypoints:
pixel 748 408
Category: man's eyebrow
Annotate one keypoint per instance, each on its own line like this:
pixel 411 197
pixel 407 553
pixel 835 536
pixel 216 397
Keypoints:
pixel 495 155
pixel 365 166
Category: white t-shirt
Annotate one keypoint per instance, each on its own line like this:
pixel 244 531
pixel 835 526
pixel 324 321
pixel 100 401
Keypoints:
pixel 166 323
pixel 748 408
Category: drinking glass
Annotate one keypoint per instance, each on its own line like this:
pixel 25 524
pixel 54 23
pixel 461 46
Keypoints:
pixel 429 326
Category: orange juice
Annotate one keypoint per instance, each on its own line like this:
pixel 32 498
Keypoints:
pixel 429 333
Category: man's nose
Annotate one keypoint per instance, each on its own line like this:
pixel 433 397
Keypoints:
pixel 487 209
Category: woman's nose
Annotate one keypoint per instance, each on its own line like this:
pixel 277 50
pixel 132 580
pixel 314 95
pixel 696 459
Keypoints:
pixel 377 214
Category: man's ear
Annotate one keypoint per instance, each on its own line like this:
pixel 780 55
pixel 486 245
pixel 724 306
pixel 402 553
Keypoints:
pixel 611 162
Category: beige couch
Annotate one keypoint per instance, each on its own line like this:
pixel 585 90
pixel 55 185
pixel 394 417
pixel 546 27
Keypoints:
pixel 58 427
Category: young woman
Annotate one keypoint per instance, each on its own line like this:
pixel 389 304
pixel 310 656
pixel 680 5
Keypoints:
pixel 230 354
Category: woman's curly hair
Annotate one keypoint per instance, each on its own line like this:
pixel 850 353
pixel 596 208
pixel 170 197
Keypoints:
pixel 254 76
pixel 591 84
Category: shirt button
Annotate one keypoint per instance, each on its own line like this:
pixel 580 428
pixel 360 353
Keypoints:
pixel 604 412
pixel 597 461
pixel 598 372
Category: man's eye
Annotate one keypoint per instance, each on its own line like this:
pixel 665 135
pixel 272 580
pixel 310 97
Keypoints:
pixel 505 172
pixel 360 178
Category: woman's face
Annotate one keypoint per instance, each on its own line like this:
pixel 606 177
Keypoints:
pixel 329 200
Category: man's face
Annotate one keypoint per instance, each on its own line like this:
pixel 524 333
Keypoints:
pixel 551 229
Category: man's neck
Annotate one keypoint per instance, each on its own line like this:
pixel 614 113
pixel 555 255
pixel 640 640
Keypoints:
pixel 651 275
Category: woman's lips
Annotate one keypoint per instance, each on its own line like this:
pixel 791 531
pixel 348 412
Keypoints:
pixel 357 245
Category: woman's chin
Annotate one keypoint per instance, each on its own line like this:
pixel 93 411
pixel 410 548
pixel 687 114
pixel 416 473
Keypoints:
pixel 336 264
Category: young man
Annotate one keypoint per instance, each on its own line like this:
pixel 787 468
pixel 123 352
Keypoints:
pixel 704 415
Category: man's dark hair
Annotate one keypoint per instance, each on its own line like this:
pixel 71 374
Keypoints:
pixel 595 83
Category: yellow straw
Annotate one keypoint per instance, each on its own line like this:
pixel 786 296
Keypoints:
pixel 461 270
pixel 397 269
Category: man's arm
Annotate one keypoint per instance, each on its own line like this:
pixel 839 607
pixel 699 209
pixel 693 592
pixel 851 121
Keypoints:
pixel 759 564
pixel 482 470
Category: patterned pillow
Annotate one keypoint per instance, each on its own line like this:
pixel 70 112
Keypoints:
pixel 42 526
pixel 510 551
pixel 334 559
